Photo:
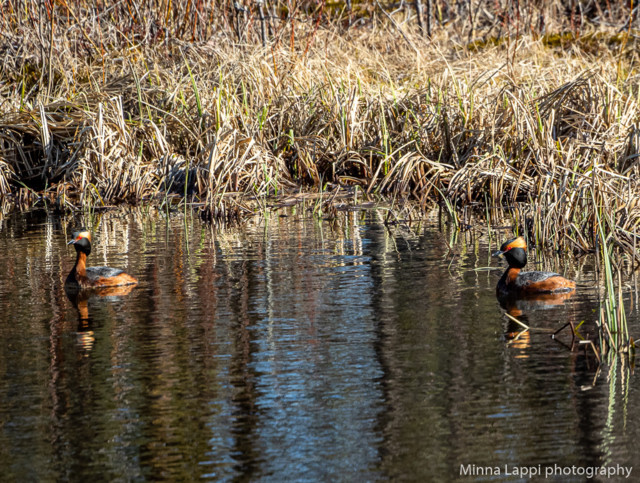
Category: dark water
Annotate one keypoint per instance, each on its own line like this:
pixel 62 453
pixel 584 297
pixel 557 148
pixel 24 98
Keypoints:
pixel 294 349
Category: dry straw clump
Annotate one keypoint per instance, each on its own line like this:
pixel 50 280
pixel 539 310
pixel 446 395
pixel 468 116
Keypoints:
pixel 135 101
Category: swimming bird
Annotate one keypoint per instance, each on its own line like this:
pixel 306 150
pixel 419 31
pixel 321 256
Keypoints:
pixel 516 282
pixel 89 277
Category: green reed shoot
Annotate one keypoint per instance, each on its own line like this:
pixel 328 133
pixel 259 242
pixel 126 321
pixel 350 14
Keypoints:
pixel 194 86
pixel 613 318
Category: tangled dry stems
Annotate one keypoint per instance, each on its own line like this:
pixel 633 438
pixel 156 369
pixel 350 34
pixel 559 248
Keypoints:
pixel 548 130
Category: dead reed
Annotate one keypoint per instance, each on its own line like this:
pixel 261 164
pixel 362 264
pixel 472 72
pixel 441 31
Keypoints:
pixel 220 102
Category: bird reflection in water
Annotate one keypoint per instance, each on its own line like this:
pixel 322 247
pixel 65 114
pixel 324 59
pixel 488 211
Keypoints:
pixel 518 306
pixel 80 300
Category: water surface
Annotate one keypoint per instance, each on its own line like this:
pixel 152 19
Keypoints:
pixel 294 349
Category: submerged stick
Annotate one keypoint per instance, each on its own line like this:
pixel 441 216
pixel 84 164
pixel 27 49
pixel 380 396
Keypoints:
pixel 590 343
pixel 517 321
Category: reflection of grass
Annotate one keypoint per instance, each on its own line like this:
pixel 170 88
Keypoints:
pixel 617 408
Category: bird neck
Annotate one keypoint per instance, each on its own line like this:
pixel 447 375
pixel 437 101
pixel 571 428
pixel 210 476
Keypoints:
pixel 81 264
pixel 511 274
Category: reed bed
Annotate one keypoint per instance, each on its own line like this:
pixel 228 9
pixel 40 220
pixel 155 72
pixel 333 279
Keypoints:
pixel 529 106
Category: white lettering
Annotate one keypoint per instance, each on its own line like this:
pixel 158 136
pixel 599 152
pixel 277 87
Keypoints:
pixel 473 470
pixel 532 472
pixel 465 470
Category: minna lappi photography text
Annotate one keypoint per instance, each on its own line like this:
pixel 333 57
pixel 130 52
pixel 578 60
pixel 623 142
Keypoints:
pixel 549 471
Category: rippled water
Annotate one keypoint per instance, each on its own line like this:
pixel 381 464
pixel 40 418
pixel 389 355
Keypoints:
pixel 294 349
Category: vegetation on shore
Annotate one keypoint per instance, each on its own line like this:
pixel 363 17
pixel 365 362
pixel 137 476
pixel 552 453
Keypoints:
pixel 528 106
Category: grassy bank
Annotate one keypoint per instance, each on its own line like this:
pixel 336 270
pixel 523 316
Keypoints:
pixel 535 110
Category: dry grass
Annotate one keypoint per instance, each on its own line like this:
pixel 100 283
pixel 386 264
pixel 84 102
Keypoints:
pixel 131 104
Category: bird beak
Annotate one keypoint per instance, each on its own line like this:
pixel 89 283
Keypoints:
pixel 72 242
pixel 497 254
